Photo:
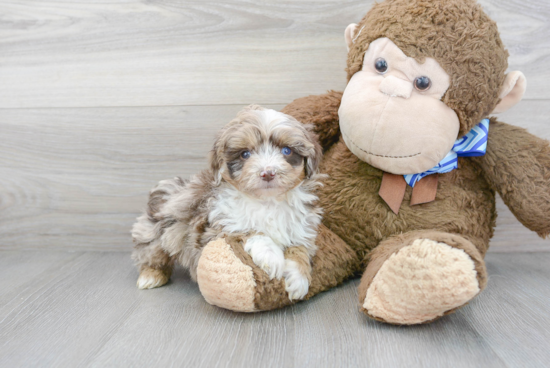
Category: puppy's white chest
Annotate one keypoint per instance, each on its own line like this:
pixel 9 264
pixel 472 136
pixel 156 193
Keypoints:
pixel 288 222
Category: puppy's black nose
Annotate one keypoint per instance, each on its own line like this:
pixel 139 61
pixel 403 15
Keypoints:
pixel 267 175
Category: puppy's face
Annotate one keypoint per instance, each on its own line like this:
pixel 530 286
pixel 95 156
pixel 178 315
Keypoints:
pixel 265 153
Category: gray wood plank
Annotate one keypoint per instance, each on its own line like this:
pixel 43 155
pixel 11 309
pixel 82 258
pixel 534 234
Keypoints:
pixel 83 309
pixel 335 334
pixel 138 53
pixel 76 178
pixel 79 177
pixel 62 315
pixel 516 299
pixel 20 267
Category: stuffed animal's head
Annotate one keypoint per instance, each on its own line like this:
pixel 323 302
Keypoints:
pixel 420 75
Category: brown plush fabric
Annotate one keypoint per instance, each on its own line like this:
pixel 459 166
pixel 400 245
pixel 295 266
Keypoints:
pixel 465 204
pixel 333 263
pixel 517 165
pixel 323 110
pixel 456 33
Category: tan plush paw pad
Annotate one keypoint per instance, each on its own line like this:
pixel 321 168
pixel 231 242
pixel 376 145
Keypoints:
pixel 421 282
pixel 150 278
pixel 224 280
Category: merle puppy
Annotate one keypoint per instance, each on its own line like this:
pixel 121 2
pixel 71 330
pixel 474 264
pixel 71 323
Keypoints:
pixel 260 184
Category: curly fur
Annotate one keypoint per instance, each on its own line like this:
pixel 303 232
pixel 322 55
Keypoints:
pixel 231 197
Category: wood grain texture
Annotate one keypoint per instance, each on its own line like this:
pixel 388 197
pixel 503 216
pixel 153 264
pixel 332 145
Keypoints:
pixel 160 53
pixel 516 299
pixel 76 178
pixel 82 309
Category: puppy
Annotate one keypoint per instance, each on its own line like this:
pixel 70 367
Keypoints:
pixel 260 184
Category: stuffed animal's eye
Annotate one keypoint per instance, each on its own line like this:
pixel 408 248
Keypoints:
pixel 422 83
pixel 286 151
pixel 245 154
pixel 381 65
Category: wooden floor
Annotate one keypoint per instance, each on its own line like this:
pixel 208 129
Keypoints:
pixel 99 100
pixel 74 309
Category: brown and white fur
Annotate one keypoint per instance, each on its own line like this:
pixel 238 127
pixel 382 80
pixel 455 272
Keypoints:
pixel 261 183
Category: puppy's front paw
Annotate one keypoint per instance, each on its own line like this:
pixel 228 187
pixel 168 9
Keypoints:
pixel 267 255
pixel 296 283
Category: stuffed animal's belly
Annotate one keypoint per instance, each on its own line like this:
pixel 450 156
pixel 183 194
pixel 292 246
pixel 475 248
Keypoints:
pixel 354 211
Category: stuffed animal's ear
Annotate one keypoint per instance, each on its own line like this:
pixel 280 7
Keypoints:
pixel 350 34
pixel 511 92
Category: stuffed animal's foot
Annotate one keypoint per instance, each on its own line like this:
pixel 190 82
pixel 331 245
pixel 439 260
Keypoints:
pixel 150 278
pixel 423 281
pixel 224 279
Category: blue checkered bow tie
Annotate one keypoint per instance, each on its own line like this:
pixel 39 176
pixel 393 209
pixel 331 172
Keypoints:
pixel 474 143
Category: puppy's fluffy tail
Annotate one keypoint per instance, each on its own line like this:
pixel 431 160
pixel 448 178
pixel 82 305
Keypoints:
pixel 173 226
pixel 153 248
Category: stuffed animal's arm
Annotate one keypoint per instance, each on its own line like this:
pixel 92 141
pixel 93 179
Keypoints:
pixel 517 165
pixel 322 112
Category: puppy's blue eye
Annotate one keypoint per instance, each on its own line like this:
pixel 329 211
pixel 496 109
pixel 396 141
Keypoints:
pixel 286 151
pixel 245 154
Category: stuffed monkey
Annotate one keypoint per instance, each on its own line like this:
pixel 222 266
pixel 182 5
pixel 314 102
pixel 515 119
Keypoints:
pixel 413 163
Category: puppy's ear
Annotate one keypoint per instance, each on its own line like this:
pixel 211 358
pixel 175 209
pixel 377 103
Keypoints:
pixel 313 159
pixel 252 107
pixel 215 158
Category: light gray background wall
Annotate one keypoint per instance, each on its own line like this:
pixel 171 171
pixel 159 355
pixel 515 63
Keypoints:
pixel 100 100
